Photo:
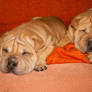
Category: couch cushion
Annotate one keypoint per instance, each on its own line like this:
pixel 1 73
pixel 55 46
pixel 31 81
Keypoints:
pixel 57 78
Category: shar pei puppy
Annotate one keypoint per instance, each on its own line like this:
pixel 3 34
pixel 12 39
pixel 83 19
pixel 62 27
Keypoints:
pixel 26 47
pixel 80 32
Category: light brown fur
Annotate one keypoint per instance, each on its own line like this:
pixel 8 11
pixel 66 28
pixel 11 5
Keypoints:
pixel 38 38
pixel 80 32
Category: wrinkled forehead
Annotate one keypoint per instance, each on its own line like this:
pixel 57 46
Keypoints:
pixel 17 43
pixel 83 23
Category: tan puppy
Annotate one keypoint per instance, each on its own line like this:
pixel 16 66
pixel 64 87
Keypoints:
pixel 26 47
pixel 80 32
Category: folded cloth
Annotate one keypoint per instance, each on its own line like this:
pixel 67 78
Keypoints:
pixel 67 54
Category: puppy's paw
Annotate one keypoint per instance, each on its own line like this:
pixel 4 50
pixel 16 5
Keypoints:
pixel 40 67
pixel 90 58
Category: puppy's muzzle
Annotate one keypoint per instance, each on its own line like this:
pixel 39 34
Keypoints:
pixel 11 64
pixel 89 45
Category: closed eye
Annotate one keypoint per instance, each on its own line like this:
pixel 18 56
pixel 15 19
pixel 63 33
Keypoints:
pixel 5 50
pixel 84 31
pixel 25 53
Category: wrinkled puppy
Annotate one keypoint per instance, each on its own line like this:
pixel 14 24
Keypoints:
pixel 80 32
pixel 26 47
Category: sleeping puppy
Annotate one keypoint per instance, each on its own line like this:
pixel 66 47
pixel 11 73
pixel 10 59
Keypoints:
pixel 80 32
pixel 26 47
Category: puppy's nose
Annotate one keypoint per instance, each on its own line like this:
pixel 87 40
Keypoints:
pixel 90 45
pixel 11 63
pixel 11 59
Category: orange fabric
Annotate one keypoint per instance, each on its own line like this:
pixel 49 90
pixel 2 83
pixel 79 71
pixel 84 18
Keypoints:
pixel 15 12
pixel 67 54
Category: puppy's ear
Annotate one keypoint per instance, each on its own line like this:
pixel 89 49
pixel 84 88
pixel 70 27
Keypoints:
pixel 73 27
pixel 38 42
pixel 0 41
pixel 0 47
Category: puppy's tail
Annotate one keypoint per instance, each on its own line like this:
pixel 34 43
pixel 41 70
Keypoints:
pixel 90 9
pixel 35 18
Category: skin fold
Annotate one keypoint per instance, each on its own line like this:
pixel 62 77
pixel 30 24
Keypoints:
pixel 80 32
pixel 26 47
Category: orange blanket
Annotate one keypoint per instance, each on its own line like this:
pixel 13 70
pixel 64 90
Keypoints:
pixel 67 54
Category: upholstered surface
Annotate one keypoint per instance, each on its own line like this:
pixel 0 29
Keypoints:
pixel 57 78
pixel 15 12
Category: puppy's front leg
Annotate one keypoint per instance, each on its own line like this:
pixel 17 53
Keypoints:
pixel 42 55
pixel 90 57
